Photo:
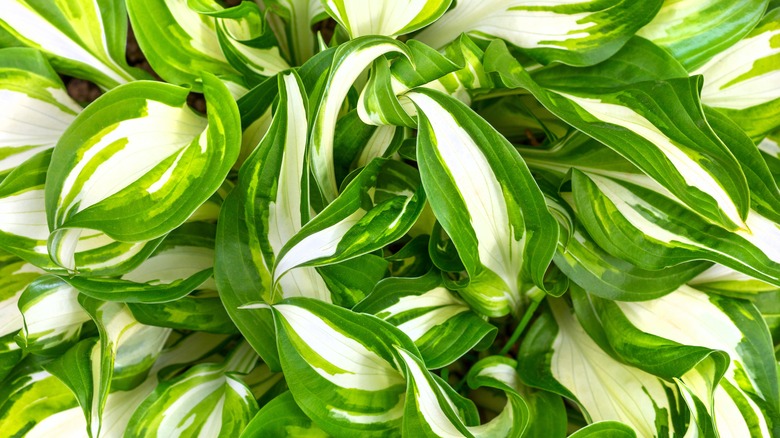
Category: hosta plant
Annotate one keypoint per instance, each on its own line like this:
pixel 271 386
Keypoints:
pixel 481 218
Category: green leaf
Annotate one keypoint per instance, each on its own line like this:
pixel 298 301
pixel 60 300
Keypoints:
pixel 113 172
pixel 571 32
pixel 442 326
pixel 498 222
pixel 207 400
pixel 83 39
pixel 282 417
pixel 181 43
pixel 696 30
pixel 605 429
pixel 385 18
pixel 40 109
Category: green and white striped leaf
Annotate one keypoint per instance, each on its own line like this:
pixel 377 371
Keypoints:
pixel 746 402
pixel 282 417
pixel 114 172
pixel 558 355
pixel 612 429
pixel 658 125
pixel 52 316
pixel 181 43
pixel 485 198
pixel 182 263
pixel 274 183
pixel 574 32
pixel 741 81
pixel 82 38
pixel 376 208
pixel 349 61
pixel 31 400
pixel 24 230
pixel 696 30
pixel 15 275
pixel 361 18
pixel 722 280
pixel 240 275
pixel 69 419
pixel 119 360
pixel 207 400
pixel 341 367
pixel 442 326
pixel 247 41
pixel 38 108
pixel 292 21
pixel 650 230
pixel 578 256
pixel 433 409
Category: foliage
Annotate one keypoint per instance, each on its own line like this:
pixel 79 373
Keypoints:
pixel 478 218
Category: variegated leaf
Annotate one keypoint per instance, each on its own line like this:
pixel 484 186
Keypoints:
pixel 361 18
pixel 58 413
pixel 292 21
pixel 34 403
pixel 207 400
pixel 114 172
pixel 746 402
pixel 696 30
pixel 181 43
pixel 349 62
pixel 183 262
pixel 741 81
pixel 24 230
pixel 722 280
pixel 558 355
pixel 82 38
pixel 442 326
pixel 376 208
pixel 649 229
pixel 656 124
pixel 341 366
pixel 574 32
pixel 485 198
pixel 38 108
pixel 282 417
pixel 52 316
pixel 119 360
pixel 15 275
pixel 247 41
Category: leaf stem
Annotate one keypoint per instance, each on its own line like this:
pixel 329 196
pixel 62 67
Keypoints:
pixel 536 299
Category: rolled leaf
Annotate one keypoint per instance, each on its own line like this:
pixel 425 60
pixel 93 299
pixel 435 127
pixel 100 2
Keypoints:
pixel 389 18
pixel 180 43
pixel 571 32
